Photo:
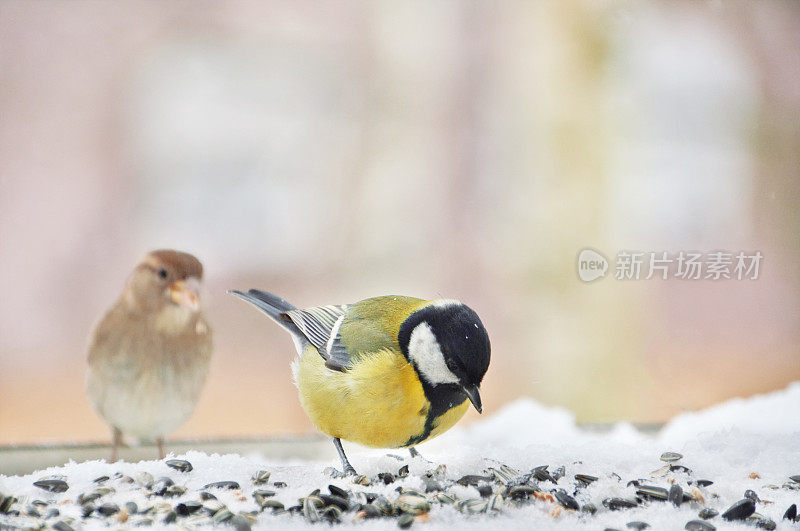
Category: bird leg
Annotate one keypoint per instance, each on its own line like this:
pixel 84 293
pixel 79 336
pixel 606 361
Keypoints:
pixel 160 443
pixel 116 441
pixel 346 466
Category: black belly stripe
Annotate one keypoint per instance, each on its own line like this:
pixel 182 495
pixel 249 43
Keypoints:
pixel 442 398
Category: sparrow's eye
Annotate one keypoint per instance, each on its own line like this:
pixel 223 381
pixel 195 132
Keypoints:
pixel 163 273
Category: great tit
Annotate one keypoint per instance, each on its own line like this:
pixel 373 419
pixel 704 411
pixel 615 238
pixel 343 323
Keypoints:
pixel 385 372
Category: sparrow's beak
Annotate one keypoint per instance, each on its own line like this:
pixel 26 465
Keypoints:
pixel 186 293
pixel 474 396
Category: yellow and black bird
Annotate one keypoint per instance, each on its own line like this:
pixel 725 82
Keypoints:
pixel 385 372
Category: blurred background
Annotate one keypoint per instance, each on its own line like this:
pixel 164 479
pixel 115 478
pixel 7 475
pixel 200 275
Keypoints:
pixel 332 151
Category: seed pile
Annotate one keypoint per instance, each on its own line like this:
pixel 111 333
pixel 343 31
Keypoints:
pixel 496 490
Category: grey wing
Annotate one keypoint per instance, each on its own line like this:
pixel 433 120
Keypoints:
pixel 320 325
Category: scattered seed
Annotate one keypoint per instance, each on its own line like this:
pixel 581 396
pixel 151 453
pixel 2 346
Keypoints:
pixel 791 513
pixel 614 504
pixel 699 525
pixel 708 513
pixel 52 485
pixel 740 510
pixel 650 492
pixel 669 457
pixel 230 485
pixel 589 508
pixel 413 504
pixel 310 511
pixel 473 480
pixel 676 495
pixel 261 477
pixel 704 482
pixel 179 464
pixel 585 479
pixel 240 523
pixel 107 509
pixel 637 525
pixel 566 501
pixel 187 508
pixel 405 521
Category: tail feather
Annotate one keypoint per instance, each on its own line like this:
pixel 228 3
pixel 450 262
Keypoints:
pixel 274 306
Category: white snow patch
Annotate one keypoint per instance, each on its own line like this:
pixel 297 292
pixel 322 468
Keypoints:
pixel 725 444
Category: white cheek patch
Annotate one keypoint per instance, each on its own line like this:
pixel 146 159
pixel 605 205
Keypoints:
pixel 424 352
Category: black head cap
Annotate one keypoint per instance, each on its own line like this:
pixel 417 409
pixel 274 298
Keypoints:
pixel 447 344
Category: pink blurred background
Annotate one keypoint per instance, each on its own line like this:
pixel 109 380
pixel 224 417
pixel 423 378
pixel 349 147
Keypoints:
pixel 331 151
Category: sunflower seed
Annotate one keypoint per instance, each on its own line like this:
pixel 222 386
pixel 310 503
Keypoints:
pixel 740 510
pixel 187 508
pixel 707 513
pixel 614 504
pixel 52 485
pixel 331 513
pixel 585 479
pixel 699 525
pixel 676 495
pixel 310 511
pixel 566 501
pixel 522 492
pixel 405 521
pixel 751 494
pixel 472 506
pixel 473 480
pixel 589 508
pixel 791 513
pixel 179 464
pixel 101 479
pixel 261 477
pixel 230 485
pixel 444 498
pixel 704 482
pixel 495 503
pixel 669 457
pixel 107 509
pixel 637 525
pixel 650 492
pixel 383 505
pixel 413 504
pixel 221 516
pixel 271 503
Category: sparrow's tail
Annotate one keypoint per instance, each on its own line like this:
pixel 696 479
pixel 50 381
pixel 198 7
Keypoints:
pixel 273 306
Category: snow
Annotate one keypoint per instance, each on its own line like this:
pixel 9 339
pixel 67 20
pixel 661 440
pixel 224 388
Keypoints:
pixel 741 444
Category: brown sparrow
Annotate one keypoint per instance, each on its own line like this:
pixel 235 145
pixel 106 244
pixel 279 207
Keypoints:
pixel 149 355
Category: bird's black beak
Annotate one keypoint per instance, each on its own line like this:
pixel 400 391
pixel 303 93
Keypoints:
pixel 474 396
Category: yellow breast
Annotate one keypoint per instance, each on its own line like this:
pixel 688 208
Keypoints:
pixel 379 402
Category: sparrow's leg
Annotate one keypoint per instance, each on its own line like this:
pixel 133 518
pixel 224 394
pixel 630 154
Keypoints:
pixel 116 441
pixel 160 443
pixel 346 466
pixel 414 453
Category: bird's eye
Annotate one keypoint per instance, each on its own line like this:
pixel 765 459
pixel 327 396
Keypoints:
pixel 163 273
